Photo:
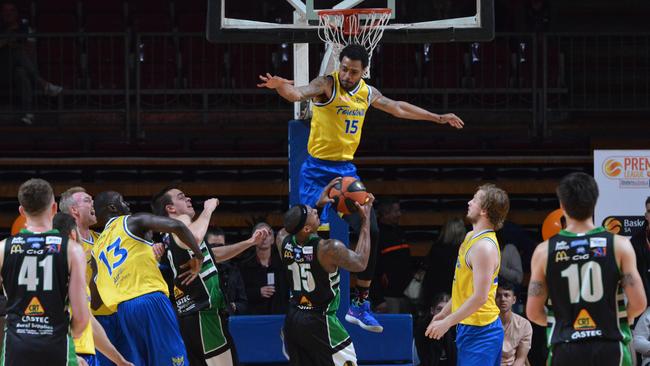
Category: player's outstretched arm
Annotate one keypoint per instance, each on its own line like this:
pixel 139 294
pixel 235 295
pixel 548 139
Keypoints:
pixel 407 110
pixel 630 278
pixel 225 252
pixel 77 288
pixel 333 253
pixel 322 85
pixel 104 345
pixel 537 290
pixel 142 222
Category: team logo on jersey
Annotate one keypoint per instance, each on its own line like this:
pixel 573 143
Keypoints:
pixel 561 245
pixel 597 242
pixel 53 248
pixel 308 250
pixel 561 256
pixel 178 361
pixel 584 321
pixel 34 308
pixel 599 252
pixel 581 250
pixel 16 249
pixel 349 363
pixel 178 293
pixel 579 242
pixel 304 301
pixel 18 240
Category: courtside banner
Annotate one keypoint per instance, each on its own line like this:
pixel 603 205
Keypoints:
pixel 623 178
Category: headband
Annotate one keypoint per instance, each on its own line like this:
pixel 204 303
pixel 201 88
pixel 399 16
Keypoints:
pixel 303 218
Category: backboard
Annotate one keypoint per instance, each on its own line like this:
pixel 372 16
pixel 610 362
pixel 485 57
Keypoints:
pixel 295 21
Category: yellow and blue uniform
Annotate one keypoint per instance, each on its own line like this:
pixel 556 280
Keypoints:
pixel 85 345
pixel 129 281
pixel 479 336
pixel 333 138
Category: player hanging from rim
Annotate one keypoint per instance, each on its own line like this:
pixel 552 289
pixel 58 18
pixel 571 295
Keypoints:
pixel 341 101
pixel 312 333
pixel 42 272
pixel 584 272
pixel 200 305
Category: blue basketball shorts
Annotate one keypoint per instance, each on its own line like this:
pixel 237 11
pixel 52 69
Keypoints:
pixel 315 174
pixel 149 325
pixel 479 345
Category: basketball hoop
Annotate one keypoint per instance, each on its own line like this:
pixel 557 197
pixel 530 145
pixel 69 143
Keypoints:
pixel 339 28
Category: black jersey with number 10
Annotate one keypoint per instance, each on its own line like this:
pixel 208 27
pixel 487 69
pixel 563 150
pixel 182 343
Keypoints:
pixel 585 296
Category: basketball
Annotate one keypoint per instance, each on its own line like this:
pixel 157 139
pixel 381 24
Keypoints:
pixel 552 224
pixel 346 192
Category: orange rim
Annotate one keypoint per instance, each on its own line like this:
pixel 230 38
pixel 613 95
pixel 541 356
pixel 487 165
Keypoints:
pixel 348 12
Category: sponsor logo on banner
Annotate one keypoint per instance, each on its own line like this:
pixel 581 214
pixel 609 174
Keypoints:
pixel 579 242
pixel 561 256
pixel 623 225
pixel 584 321
pixel 561 245
pixel 631 171
pixel 597 242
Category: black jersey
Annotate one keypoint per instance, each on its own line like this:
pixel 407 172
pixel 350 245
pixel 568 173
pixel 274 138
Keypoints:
pixel 35 278
pixel 312 287
pixel 200 294
pixel 583 278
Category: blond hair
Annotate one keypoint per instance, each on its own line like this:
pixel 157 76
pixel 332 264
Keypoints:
pixel 496 203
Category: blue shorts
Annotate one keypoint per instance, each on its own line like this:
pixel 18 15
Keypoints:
pixel 91 360
pixel 111 327
pixel 479 346
pixel 315 174
pixel 149 325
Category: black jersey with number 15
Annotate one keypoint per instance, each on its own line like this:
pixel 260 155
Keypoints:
pixel 312 287
pixel 586 300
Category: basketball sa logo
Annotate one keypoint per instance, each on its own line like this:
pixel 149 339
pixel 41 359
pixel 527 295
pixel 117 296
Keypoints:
pixel 613 225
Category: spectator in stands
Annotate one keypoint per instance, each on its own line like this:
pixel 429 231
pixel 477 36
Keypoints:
pixel 641 341
pixel 393 272
pixel 435 352
pixel 16 64
pixel 265 278
pixel 641 243
pixel 232 284
pixel 441 261
pixel 517 330
pixel 511 269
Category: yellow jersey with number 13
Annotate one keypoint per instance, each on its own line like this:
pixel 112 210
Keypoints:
pixel 336 124
pixel 126 265
pixel 463 285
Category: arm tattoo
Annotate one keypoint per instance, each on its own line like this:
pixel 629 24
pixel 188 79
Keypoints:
pixel 535 288
pixel 342 256
pixel 627 280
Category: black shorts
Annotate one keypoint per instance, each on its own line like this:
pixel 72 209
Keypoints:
pixel 207 339
pixel 590 353
pixel 312 338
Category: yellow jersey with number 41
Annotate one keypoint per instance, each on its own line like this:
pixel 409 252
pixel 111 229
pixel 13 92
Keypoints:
pixel 336 124
pixel 126 265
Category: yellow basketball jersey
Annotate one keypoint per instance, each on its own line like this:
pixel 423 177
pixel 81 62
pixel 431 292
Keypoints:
pixel 463 286
pixel 126 265
pixel 336 124
pixel 88 247
pixel 85 345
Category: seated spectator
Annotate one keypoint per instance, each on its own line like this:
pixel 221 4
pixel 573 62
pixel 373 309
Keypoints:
pixel 441 261
pixel 641 341
pixel 265 278
pixel 393 272
pixel 435 352
pixel 17 67
pixel 641 243
pixel 232 284
pixel 517 330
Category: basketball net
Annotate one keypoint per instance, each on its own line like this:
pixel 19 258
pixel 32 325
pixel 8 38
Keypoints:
pixel 365 27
